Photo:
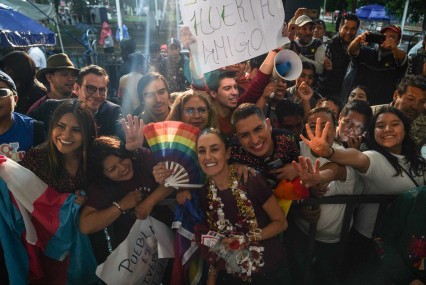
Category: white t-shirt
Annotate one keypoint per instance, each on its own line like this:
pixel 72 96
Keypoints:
pixel 380 179
pixel 330 222
pixel 38 57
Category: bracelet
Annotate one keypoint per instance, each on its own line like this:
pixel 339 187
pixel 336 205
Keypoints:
pixel 212 271
pixel 332 153
pixel 118 207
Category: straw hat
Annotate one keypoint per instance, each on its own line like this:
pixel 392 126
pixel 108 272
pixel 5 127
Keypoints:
pixel 55 62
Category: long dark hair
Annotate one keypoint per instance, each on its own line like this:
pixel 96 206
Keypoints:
pixel 409 149
pixel 87 126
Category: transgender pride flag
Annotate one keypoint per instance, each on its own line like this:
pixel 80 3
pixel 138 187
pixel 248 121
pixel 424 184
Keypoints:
pixel 39 231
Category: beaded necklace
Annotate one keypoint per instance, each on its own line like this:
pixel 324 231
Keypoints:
pixel 245 230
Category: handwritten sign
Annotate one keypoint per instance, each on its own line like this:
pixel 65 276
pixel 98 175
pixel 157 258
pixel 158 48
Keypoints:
pixel 231 31
pixel 137 259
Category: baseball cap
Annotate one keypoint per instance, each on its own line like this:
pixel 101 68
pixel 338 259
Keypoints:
pixel 303 20
pixel 174 41
pixel 8 80
pixel 393 28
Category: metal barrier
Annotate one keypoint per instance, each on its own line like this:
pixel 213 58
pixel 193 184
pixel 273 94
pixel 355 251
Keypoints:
pixel 351 201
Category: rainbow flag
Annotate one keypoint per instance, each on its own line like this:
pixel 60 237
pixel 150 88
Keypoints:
pixel 39 231
pixel 172 141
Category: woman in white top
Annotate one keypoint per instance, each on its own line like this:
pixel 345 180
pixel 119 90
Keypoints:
pixel 392 165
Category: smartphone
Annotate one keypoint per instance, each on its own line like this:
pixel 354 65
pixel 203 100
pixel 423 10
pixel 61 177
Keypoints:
pixel 275 164
pixel 374 38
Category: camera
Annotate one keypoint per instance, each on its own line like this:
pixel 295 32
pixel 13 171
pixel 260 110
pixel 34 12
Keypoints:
pixel 374 38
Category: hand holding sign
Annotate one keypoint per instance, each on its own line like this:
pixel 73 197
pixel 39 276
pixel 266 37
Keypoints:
pixel 230 31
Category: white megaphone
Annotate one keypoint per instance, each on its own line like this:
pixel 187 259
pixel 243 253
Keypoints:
pixel 287 65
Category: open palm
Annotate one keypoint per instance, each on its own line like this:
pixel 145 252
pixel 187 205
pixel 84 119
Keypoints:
pixel 318 142
pixel 133 129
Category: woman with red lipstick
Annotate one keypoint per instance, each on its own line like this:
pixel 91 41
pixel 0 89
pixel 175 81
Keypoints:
pixel 123 189
pixel 246 218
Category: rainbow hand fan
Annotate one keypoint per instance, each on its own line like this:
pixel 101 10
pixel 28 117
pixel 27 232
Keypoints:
pixel 175 144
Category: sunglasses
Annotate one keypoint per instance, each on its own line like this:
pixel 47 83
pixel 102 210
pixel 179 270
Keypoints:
pixel 92 90
pixel 4 92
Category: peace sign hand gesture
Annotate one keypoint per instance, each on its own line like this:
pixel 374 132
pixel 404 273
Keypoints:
pixel 133 129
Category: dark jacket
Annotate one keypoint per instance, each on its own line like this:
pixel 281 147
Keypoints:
pixel 107 117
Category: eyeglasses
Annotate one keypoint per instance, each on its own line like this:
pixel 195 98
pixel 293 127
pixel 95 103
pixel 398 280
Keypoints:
pixel 92 90
pixel 4 92
pixel 192 111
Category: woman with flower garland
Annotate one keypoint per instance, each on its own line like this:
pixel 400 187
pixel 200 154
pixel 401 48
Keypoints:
pixel 244 220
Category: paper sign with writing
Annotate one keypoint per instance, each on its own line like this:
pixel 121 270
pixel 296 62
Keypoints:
pixel 231 31
pixel 136 260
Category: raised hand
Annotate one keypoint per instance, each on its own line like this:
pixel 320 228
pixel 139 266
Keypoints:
pixel 309 175
pixel 318 142
pixel 133 129
pixel 286 172
pixel 305 92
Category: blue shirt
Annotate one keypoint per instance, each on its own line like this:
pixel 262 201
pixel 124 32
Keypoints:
pixel 19 138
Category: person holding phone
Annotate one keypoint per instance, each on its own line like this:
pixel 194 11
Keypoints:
pixel 256 145
pixel 379 68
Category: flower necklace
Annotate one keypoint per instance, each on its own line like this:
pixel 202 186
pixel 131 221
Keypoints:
pixel 245 230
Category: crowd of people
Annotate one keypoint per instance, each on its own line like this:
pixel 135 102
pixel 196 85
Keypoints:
pixel 353 122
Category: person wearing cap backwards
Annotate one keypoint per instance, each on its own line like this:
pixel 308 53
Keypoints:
pixel 176 63
pixel 308 48
pixel 18 133
pixel 59 78
pixel 156 62
pixel 379 68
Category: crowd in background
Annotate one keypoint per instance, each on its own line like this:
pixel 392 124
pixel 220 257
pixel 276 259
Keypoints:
pixel 353 122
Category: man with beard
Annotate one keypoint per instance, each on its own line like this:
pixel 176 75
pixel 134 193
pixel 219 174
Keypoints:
pixel 337 58
pixel 308 48
pixel 58 76
pixel 379 68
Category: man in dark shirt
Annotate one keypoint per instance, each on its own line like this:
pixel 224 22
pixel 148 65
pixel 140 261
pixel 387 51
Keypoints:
pixel 176 63
pixel 258 146
pixel 91 88
pixel 379 68
pixel 337 58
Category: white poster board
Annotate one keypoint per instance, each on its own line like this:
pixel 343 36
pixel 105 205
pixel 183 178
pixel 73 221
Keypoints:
pixel 140 258
pixel 231 31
